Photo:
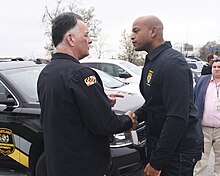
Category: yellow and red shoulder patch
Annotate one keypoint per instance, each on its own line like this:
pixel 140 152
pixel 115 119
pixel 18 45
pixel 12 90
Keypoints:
pixel 90 80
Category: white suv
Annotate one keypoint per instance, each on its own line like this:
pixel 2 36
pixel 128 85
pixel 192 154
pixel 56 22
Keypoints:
pixel 195 65
pixel 120 69
pixel 196 68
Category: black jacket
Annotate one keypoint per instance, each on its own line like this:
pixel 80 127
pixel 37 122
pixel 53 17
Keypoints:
pixel 169 110
pixel 206 69
pixel 77 119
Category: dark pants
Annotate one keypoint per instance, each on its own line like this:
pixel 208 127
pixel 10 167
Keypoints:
pixel 181 164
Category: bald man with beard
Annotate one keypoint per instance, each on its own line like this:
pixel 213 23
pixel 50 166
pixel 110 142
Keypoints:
pixel 175 138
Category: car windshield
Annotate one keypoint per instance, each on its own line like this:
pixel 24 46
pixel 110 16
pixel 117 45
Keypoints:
pixel 135 69
pixel 25 80
pixel 109 81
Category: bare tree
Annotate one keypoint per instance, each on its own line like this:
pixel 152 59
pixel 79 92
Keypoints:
pixel 127 50
pixel 87 15
pixel 99 46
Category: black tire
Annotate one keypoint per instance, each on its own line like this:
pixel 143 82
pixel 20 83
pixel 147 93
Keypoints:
pixel 41 169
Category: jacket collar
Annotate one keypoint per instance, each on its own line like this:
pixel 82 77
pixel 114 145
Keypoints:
pixel 159 50
pixel 64 56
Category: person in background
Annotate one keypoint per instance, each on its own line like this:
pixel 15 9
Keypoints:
pixel 76 114
pixel 207 99
pixel 175 139
pixel 206 69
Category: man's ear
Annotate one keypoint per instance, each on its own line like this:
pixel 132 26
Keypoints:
pixel 70 39
pixel 154 31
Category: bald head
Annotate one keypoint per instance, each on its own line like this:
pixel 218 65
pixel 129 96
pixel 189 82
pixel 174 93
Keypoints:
pixel 147 33
pixel 150 21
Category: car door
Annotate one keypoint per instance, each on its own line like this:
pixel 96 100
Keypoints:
pixel 13 147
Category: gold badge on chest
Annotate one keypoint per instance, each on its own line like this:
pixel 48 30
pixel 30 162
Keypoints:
pixel 149 76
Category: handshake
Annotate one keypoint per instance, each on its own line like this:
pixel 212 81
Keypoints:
pixel 133 117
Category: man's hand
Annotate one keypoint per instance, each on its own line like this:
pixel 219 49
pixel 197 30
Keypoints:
pixel 112 97
pixel 133 117
pixel 150 171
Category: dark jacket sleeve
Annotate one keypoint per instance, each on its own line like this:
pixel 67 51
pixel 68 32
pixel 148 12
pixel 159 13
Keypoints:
pixel 94 104
pixel 141 113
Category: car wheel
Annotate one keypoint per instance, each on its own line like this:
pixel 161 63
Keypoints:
pixel 40 169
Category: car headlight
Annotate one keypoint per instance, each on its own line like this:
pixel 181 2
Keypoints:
pixel 136 137
pixel 121 140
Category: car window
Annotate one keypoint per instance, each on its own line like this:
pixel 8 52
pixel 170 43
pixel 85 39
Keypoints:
pixel 5 95
pixel 110 69
pixel 25 80
pixel 121 70
pixel 134 68
pixel 192 65
pixel 2 88
pixel 109 81
pixel 195 66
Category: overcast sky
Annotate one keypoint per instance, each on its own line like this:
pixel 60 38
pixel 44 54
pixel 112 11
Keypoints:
pixel 191 21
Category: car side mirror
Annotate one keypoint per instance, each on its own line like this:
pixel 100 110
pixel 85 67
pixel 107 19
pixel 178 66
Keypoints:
pixel 124 75
pixel 9 101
